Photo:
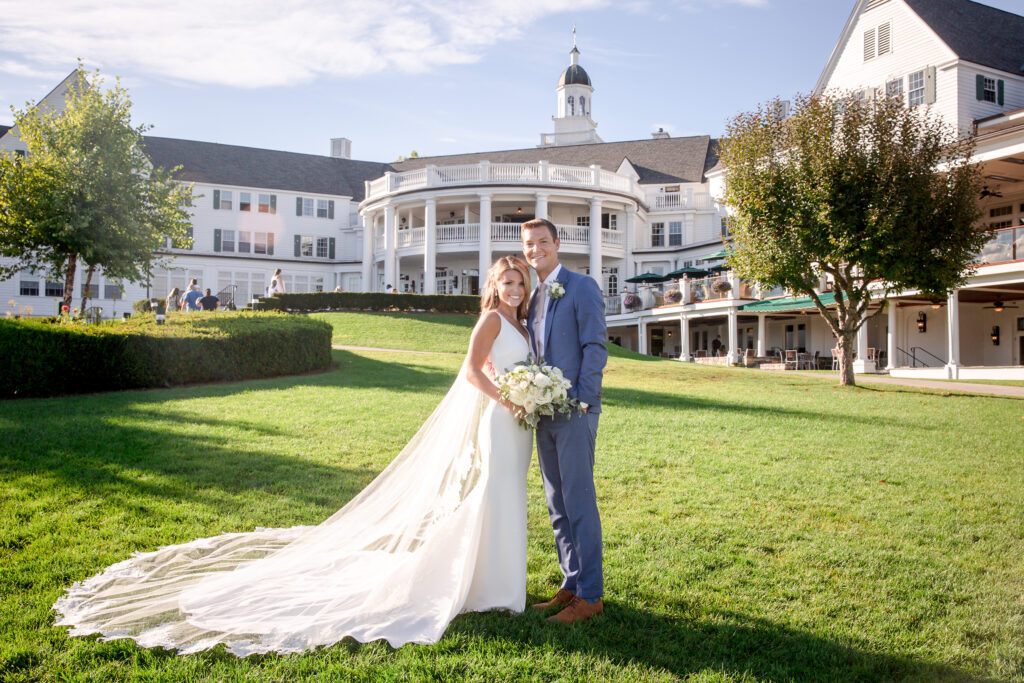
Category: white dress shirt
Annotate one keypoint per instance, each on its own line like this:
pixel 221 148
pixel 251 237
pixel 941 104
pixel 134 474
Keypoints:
pixel 540 318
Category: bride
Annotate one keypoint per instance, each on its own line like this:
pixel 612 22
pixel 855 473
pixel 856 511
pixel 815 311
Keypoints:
pixel 442 530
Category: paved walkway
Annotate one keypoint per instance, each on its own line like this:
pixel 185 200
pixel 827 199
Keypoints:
pixel 959 387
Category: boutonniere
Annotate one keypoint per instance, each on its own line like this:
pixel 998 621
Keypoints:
pixel 556 290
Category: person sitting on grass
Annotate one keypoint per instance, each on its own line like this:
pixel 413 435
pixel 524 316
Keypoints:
pixel 209 302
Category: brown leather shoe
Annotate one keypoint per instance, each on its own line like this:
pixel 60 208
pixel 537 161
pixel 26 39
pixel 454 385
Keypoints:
pixel 563 597
pixel 578 609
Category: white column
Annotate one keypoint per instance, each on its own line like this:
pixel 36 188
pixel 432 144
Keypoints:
pixel 369 222
pixel 890 338
pixel 541 211
pixel 595 242
pixel 465 214
pixel 684 290
pixel 429 246
pixel 641 341
pixel 684 337
pixel 485 235
pixel 389 245
pixel 732 355
pixel 953 335
pixel 630 238
pixel 762 332
pixel 862 364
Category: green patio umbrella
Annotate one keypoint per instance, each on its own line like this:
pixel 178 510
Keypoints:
pixel 646 277
pixel 688 270
pixel 722 253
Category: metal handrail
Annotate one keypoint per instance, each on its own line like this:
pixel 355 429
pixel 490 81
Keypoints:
pixel 914 360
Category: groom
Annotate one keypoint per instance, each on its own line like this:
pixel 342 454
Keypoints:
pixel 567 329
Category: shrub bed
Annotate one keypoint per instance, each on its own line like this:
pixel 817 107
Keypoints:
pixel 44 358
pixel 369 301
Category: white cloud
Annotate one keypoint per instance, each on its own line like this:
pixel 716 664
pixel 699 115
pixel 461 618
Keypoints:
pixel 258 43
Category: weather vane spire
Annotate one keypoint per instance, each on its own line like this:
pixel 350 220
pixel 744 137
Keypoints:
pixel 574 35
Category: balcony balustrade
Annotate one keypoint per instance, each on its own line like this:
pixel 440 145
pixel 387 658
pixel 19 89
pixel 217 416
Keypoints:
pixel 1006 244
pixel 469 234
pixel 485 173
pixel 670 201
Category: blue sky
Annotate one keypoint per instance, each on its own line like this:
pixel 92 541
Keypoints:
pixel 435 76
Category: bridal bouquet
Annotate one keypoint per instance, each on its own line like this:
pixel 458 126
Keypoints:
pixel 538 390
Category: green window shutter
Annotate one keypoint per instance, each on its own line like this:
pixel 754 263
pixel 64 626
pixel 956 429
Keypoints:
pixel 330 210
pixel 330 248
pixel 999 92
pixel 980 86
pixel 273 203
pixel 216 237
pixel 298 245
pixel 929 85
pixel 298 206
pixel 270 244
pixel 216 199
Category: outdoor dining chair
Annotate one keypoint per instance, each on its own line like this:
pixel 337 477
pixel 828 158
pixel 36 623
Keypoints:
pixel 835 359
pixel 792 358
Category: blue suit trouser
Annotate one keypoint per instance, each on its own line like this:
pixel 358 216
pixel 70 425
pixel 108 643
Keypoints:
pixel 565 450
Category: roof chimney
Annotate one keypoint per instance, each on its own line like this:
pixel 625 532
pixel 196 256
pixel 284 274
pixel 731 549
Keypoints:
pixel 660 134
pixel 341 148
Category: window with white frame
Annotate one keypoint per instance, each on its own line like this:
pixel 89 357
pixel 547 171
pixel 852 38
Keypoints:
pixel 307 206
pixel 657 234
pixel 915 88
pixel 268 203
pixel 306 245
pixel 92 291
pixel 112 291
pixel 245 201
pixel 321 208
pixel 583 221
pixel 29 288
pixel 321 247
pixel 244 241
pixel 675 233
pixel 222 200
pixel 54 288
pixel 894 88
pixel 227 240
pixel 611 280
pixel 989 91
pixel 261 242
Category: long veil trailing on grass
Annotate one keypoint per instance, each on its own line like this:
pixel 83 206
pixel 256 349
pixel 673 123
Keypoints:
pixel 395 563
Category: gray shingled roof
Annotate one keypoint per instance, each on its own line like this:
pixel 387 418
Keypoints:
pixel 3 130
pixel 975 32
pixel 210 162
pixel 669 160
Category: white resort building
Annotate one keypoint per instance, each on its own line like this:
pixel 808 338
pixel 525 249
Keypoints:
pixel 623 209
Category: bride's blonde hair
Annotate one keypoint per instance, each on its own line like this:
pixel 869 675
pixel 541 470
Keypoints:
pixel 489 300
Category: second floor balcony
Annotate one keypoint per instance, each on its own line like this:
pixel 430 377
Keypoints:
pixel 467 236
pixel 1005 244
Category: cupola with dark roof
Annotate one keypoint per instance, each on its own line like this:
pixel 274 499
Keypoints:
pixel 574 74
pixel 573 122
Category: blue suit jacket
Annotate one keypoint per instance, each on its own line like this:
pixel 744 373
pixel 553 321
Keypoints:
pixel 575 336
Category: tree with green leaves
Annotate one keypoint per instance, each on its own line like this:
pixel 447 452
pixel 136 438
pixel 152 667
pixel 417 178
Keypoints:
pixel 84 194
pixel 874 195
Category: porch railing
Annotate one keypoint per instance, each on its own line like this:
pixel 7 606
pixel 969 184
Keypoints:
pixel 1006 244
pixel 918 357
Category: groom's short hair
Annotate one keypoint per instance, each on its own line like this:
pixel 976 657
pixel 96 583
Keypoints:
pixel 535 223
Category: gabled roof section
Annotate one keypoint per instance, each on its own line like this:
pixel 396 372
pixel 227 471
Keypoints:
pixel 3 130
pixel 214 163
pixel 671 160
pixel 975 32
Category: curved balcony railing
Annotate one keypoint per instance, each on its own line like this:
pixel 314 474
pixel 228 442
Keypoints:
pixel 485 173
pixel 469 234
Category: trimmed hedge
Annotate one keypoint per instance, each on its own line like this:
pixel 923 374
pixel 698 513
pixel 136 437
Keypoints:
pixel 44 358
pixel 369 301
pixel 145 305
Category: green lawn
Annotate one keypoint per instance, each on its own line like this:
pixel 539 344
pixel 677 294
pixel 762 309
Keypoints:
pixel 757 526
pixel 439 332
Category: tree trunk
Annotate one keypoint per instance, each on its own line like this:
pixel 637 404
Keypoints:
pixel 85 287
pixel 69 281
pixel 846 342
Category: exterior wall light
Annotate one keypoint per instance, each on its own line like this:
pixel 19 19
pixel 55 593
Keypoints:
pixel 995 335
pixel 922 322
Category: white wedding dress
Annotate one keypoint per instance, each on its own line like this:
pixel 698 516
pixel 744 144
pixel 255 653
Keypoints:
pixel 442 530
